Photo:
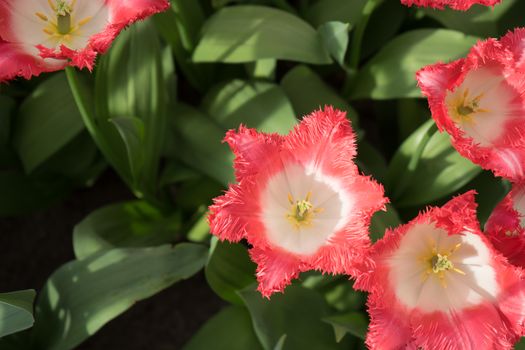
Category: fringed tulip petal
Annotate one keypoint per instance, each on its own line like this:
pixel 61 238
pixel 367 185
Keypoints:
pixel 300 201
pixel 71 31
pixel 453 4
pixel 506 226
pixel 437 283
pixel 480 102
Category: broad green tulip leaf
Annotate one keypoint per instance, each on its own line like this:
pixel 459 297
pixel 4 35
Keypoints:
pixel 429 157
pixel 335 39
pixel 258 105
pixel 229 269
pixel 383 220
pixel 230 329
pixel 391 72
pixel 198 143
pixel 47 120
pixel 324 11
pixel 82 296
pixel 16 311
pixel 355 323
pixel 262 69
pixel 370 161
pixel 121 225
pixel 490 191
pixel 248 33
pixel 130 83
pixel 132 132
pixel 308 92
pixel 296 313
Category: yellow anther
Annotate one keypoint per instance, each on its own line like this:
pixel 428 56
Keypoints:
pixel 52 5
pixel 301 212
pixel 48 31
pixel 41 16
pixel 84 21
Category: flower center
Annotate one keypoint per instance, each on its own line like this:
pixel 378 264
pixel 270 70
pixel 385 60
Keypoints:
pixel 63 26
pixel 463 108
pixel 440 263
pixel 301 212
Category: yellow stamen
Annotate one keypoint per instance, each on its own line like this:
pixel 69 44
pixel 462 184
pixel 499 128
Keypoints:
pixel 48 31
pixel 41 16
pixel 301 212
pixel 463 109
pixel 72 4
pixel 52 5
pixel 84 21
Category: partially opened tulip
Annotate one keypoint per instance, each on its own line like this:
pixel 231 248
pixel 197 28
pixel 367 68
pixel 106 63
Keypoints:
pixel 506 226
pixel 46 35
pixel 453 4
pixel 480 101
pixel 437 283
pixel 300 201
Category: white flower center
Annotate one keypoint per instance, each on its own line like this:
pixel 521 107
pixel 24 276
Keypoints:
pixel 481 105
pixel 302 208
pixel 52 23
pixel 434 271
pixel 518 202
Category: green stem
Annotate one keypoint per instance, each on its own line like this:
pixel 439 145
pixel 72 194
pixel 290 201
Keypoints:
pixel 414 161
pixel 80 97
pixel 357 42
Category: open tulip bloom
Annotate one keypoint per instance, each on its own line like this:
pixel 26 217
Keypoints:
pixel 453 4
pixel 506 226
pixel 299 201
pixel 46 35
pixel 437 283
pixel 479 101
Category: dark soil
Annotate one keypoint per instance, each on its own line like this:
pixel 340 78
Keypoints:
pixel 34 245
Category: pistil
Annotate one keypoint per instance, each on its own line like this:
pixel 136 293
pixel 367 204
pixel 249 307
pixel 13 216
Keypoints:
pixel 63 11
pixel 301 212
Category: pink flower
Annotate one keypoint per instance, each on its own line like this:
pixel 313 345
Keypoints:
pixel 453 4
pixel 506 226
pixel 46 35
pixel 438 284
pixel 300 201
pixel 480 101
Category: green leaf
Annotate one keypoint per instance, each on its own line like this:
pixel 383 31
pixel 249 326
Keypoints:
pixel 230 329
pixel 258 105
pixel 440 170
pixel 229 269
pixel 126 224
pixel 308 92
pixel 354 323
pixel 296 313
pixel 370 160
pixel 391 72
pixel 335 39
pixel 16 311
pixel 130 83
pixel 47 120
pixel 132 132
pixel 383 220
pixel 198 144
pixel 82 296
pixel 335 10
pixel 248 33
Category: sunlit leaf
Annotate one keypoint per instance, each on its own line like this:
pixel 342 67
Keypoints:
pixel 391 72
pixel 82 296
pixel 16 311
pixel 247 33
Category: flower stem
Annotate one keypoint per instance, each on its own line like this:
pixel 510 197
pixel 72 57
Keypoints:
pixel 357 41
